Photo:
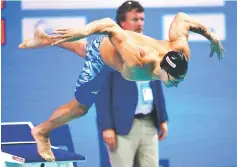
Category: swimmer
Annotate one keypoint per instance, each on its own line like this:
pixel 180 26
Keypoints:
pixel 136 56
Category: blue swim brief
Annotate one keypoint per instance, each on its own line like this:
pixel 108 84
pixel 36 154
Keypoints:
pixel 93 74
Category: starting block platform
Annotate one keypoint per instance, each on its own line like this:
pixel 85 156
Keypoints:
pixel 18 148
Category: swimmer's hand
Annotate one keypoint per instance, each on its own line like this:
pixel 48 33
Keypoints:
pixel 66 35
pixel 216 47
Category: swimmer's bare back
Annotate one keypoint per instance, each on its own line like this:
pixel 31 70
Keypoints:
pixel 141 52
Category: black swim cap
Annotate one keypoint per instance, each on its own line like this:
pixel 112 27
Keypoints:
pixel 175 64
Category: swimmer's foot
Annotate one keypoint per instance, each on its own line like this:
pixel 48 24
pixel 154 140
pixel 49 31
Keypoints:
pixel 43 144
pixel 40 39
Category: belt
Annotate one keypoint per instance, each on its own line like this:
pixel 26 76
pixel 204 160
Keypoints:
pixel 142 116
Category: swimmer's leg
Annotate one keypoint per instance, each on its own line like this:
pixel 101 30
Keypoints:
pixel 61 116
pixel 41 39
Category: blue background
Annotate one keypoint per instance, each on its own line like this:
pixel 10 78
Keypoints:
pixel 202 111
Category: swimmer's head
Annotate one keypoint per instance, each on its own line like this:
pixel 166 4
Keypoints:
pixel 174 68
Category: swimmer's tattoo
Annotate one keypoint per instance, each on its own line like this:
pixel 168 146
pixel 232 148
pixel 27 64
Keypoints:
pixel 201 30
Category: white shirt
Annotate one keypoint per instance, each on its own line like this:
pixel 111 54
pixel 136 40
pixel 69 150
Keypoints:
pixel 145 98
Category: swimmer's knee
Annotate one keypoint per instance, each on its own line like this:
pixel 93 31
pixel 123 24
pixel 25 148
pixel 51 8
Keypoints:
pixel 83 110
pixel 78 109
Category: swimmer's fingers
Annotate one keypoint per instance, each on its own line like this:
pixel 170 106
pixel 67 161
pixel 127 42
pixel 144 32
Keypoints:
pixel 59 35
pixel 62 29
pixel 63 33
pixel 211 53
pixel 61 41
pixel 218 49
pixel 222 50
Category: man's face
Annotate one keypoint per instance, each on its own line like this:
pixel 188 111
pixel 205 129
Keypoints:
pixel 134 21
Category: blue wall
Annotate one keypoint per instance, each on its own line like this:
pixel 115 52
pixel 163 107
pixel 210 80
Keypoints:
pixel 202 111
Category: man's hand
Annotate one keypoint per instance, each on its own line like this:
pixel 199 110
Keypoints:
pixel 216 47
pixel 162 131
pixel 109 137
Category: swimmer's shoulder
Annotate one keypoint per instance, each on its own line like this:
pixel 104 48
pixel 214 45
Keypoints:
pixel 182 46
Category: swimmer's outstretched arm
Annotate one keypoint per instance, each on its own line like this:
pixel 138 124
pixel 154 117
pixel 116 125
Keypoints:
pixel 182 24
pixel 129 51
pixel 102 26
